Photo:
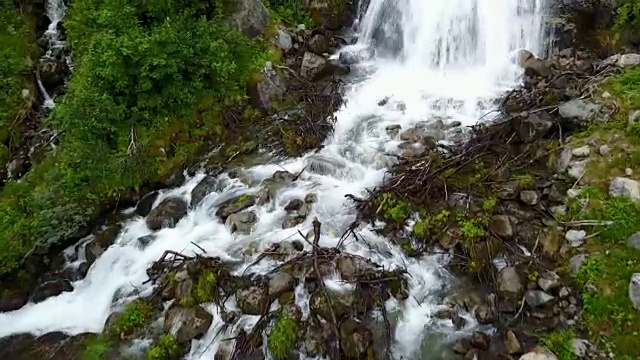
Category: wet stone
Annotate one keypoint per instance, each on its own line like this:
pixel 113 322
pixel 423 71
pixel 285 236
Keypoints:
pixel 535 298
pixel 252 301
pixel 144 206
pixel 294 205
pixel 50 289
pixel 167 213
pixel 187 323
pixel 235 205
pixel 480 340
pixel 511 343
pixel 280 283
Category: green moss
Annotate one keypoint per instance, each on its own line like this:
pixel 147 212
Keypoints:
pixel 431 224
pixel 559 342
pixel 473 229
pixel 283 338
pixel 135 316
pixel 165 348
pixel 490 204
pixel 204 289
pixel 242 198
pixel 96 348
pixel 525 181
pixel 394 209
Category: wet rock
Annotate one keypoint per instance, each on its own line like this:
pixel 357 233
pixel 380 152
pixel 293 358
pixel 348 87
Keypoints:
pixel 485 314
pixel 393 130
pixel 313 66
pixel 318 44
pixel 249 16
pixel 269 90
pixel 13 301
pixel 331 14
pixel 280 283
pixel 634 241
pixel 582 151
pixel 292 220
pixel 532 65
pixel 539 353
pixel 535 298
pixel 480 340
pixel 144 241
pixel 501 226
pixel 51 288
pixel 461 346
pixel 355 339
pixel 316 339
pixel 242 222
pixel 530 197
pixel 144 206
pixel 50 346
pixel 52 72
pixel 549 280
pixel 311 198
pixel 294 205
pixel 167 213
pixel 509 282
pixel 579 111
pixel 341 304
pixel 634 290
pixel 575 237
pixel 511 343
pixel 576 261
pixel 625 187
pixel 532 128
pixel 235 205
pixel 187 323
pixel 252 300
pixel 206 186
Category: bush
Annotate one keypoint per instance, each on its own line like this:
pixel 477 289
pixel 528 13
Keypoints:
pixel 151 79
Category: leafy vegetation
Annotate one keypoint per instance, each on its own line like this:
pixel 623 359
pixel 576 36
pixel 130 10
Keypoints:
pixel 203 290
pixel 151 82
pixel 283 337
pixel 431 225
pixel 165 348
pixel 559 343
pixel 14 71
pixel 292 12
pixel 394 209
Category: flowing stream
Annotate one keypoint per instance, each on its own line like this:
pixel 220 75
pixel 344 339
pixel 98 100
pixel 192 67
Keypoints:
pixel 439 59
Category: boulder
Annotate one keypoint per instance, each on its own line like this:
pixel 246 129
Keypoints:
pixel 235 205
pixel 318 44
pixel 331 14
pixel 539 353
pixel 509 282
pixel 167 213
pixel 626 187
pixel 283 40
pixel 532 65
pixel 579 112
pixel 501 226
pixel 535 298
pixel 533 127
pixel 252 300
pixel 145 204
pixel 269 90
pixel 485 314
pixel 549 280
pixel 248 16
pixel 480 340
pixel 206 186
pixel 52 72
pixel 511 343
pixel 313 66
pixel 634 290
pixel 280 283
pixel 187 323
pixel 51 288
pixel 13 301
pixel 242 222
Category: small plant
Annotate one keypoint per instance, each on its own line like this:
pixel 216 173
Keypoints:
pixel 283 338
pixel 489 204
pixel 525 181
pixel 134 316
pixel 431 224
pixel 204 288
pixel 96 348
pixel 165 348
pixel 394 209
pixel 473 228
pixel 560 344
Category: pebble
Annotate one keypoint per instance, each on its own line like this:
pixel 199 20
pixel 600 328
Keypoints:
pixel 572 193
pixel 582 151
pixel 577 169
pixel 606 94
pixel 575 237
pixel 575 263
pixel 628 171
pixel 605 150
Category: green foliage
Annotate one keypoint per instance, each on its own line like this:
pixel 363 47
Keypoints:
pixel 430 224
pixel 165 348
pixel 394 209
pixel 525 181
pixel 628 15
pixel 203 290
pixel 490 204
pixel 150 81
pixel 134 316
pixel 96 348
pixel 473 228
pixel 283 338
pixel 559 343
pixel 291 12
pixel 14 67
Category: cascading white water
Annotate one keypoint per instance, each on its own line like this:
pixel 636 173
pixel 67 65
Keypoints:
pixel 441 58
